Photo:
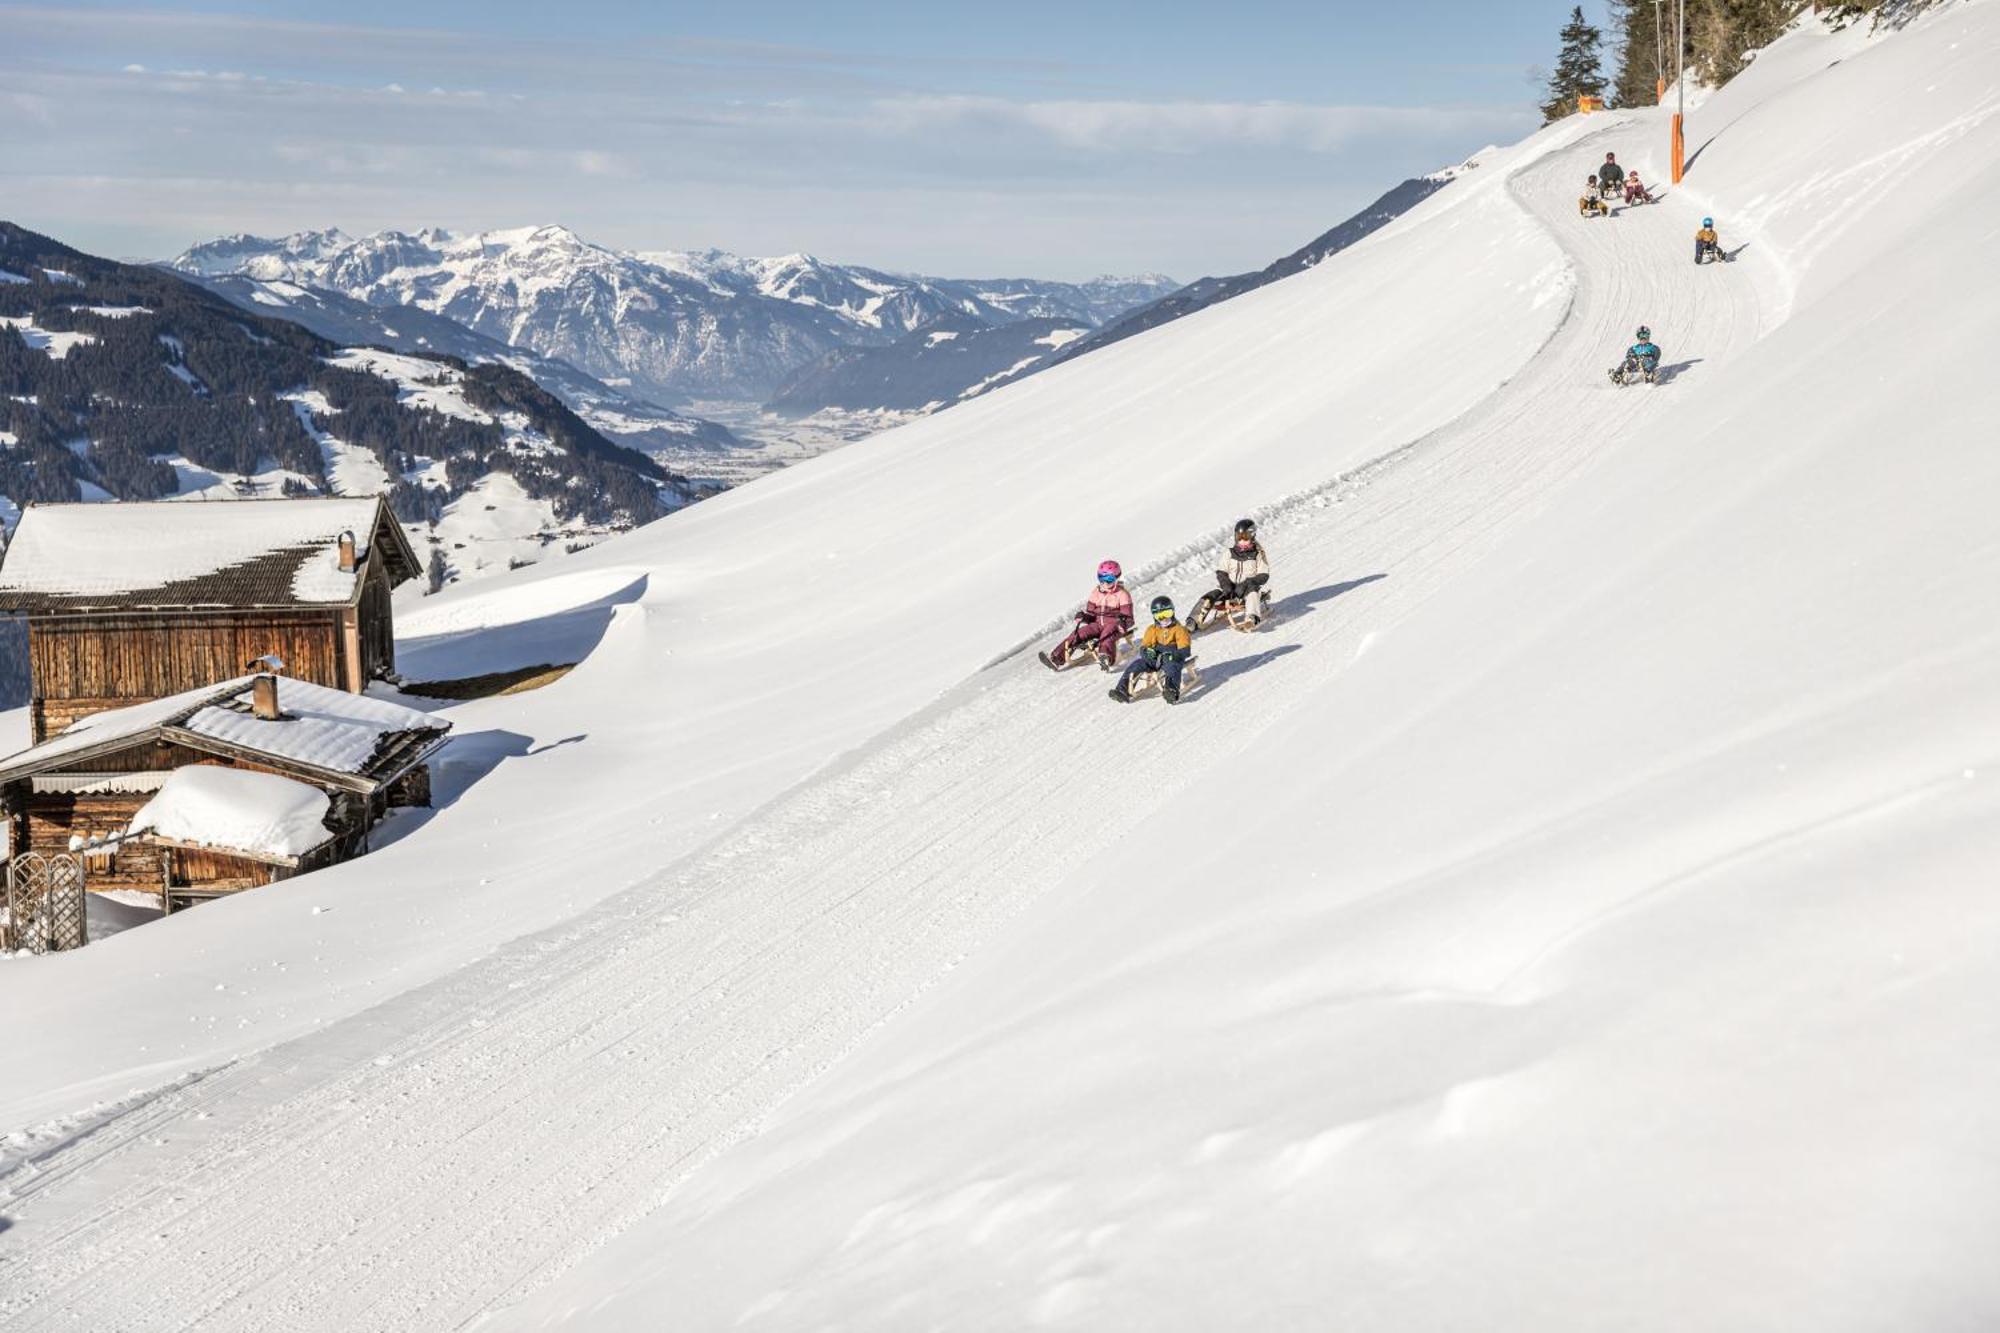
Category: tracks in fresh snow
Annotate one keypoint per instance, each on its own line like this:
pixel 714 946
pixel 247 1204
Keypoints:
pixel 433 1160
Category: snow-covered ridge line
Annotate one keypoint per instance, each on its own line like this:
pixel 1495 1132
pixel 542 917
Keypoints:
pixel 703 324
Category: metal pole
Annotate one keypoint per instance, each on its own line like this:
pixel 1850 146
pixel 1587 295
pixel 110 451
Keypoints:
pixel 1659 56
pixel 1680 90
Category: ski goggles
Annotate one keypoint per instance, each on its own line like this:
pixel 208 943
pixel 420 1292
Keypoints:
pixel 1107 579
pixel 1163 617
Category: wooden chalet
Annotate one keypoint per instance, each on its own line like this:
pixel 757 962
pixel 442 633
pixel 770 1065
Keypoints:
pixel 133 602
pixel 136 789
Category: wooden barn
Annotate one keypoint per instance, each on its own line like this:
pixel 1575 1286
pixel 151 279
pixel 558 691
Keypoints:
pixel 220 788
pixel 133 602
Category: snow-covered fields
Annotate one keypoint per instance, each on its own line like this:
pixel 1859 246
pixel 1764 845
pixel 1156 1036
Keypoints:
pixel 1574 911
pixel 770 441
pixel 55 342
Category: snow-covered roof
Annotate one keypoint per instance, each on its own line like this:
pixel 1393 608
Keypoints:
pixel 323 731
pixel 329 729
pixel 260 815
pixel 131 723
pixel 239 553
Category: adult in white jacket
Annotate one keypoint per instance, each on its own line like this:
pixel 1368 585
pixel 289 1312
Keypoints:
pixel 1244 571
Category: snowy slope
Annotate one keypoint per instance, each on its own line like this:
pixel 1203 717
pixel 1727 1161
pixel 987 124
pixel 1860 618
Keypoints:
pixel 1610 949
pixel 1598 942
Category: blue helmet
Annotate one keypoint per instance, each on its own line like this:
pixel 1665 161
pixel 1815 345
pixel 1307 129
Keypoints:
pixel 1708 222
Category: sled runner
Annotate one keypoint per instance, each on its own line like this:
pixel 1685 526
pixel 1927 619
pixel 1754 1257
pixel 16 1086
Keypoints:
pixel 1095 653
pixel 1149 682
pixel 1212 609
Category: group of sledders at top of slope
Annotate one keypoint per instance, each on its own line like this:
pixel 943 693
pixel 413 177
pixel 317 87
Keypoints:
pixel 1611 182
pixel 1103 628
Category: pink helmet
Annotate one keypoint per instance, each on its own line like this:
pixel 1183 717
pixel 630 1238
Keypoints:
pixel 1109 570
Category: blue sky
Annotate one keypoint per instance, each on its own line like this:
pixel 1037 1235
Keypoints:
pixel 1053 139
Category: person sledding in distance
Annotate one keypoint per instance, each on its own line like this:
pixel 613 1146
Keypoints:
pixel 1642 358
pixel 1239 583
pixel 1635 189
pixel 1165 650
pixel 1590 205
pixel 1610 177
pixel 1105 619
pixel 1707 244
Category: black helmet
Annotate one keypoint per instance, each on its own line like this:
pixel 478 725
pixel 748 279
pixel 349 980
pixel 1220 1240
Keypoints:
pixel 1163 603
pixel 1611 157
pixel 1645 334
pixel 1246 527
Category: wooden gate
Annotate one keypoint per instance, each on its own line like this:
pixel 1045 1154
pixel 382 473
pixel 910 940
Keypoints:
pixel 45 903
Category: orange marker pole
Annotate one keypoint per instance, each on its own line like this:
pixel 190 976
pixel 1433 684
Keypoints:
pixel 1680 87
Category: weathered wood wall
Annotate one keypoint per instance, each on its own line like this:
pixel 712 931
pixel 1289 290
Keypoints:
pixel 53 818
pixel 377 623
pixel 214 872
pixel 412 790
pixel 87 664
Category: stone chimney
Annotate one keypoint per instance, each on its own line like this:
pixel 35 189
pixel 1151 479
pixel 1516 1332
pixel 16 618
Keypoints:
pixel 347 552
pixel 264 698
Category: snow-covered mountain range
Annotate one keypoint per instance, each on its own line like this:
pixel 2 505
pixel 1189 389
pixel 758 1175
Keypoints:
pixel 618 415
pixel 667 324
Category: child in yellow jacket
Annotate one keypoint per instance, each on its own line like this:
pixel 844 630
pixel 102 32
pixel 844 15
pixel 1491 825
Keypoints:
pixel 1165 649
pixel 1707 244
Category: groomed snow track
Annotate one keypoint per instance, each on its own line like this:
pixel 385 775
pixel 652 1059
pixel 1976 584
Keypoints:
pixel 426 1164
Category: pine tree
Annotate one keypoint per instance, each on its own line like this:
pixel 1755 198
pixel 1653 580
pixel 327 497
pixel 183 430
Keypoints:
pixel 1579 70
pixel 1721 31
pixel 1645 54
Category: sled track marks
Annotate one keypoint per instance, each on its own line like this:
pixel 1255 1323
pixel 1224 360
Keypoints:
pixel 434 1160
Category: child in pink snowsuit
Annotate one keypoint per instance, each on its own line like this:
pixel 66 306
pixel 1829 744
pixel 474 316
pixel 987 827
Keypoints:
pixel 1106 615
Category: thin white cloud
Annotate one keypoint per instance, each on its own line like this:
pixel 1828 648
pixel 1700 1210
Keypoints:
pixel 34 107
pixel 592 162
pixel 1182 126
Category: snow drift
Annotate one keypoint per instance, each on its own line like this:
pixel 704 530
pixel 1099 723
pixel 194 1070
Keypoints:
pixel 237 810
